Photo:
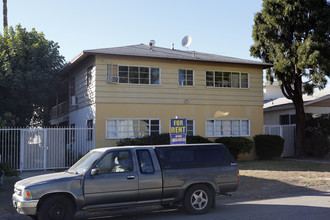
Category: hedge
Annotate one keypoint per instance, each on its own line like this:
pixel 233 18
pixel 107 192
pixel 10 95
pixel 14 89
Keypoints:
pixel 161 139
pixel 268 146
pixel 9 171
pixel 236 145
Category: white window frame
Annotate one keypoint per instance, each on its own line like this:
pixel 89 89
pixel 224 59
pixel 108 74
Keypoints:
pixel 193 120
pixel 116 73
pixel 185 71
pixel 90 125
pixel 219 130
pixel 89 75
pixel 231 80
pixel 240 80
pixel 116 120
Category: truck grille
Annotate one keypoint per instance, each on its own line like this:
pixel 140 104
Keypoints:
pixel 18 191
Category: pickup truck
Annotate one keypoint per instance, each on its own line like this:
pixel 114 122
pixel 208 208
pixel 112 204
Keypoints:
pixel 187 175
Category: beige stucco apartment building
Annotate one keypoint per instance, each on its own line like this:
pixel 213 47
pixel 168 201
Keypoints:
pixel 136 90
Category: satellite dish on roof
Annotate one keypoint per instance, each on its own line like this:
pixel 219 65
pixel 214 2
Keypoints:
pixel 186 41
pixel 152 44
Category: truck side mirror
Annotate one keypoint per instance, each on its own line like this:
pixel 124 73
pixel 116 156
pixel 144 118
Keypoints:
pixel 94 171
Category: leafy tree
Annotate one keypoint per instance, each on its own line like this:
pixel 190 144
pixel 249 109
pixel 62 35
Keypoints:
pixel 294 36
pixel 28 74
pixel 8 120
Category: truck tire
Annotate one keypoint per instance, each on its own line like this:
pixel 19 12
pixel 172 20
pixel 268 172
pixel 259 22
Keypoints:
pixel 198 199
pixel 56 207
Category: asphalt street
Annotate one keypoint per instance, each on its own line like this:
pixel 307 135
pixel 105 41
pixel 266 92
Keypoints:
pixel 309 205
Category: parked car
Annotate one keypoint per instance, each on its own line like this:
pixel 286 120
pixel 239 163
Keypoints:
pixel 191 175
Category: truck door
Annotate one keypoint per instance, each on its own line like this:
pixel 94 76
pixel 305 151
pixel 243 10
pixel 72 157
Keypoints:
pixel 116 181
pixel 150 177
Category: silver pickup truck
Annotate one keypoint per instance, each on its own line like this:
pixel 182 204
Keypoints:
pixel 189 175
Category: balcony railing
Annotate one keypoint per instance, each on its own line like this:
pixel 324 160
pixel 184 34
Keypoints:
pixel 59 110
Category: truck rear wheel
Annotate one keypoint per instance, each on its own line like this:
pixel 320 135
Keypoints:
pixel 198 199
pixel 56 207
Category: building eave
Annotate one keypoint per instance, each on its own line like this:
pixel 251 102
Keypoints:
pixel 162 53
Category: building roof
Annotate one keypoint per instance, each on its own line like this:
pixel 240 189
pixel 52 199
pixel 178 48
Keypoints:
pixel 142 50
pixel 284 103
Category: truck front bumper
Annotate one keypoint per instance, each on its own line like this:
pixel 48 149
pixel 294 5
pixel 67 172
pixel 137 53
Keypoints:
pixel 26 207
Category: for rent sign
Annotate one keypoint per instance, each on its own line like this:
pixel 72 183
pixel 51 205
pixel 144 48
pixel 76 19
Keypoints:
pixel 178 131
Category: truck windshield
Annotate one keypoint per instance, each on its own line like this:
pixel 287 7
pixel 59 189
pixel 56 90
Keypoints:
pixel 85 162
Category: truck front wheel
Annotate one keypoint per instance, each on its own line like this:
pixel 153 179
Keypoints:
pixel 56 207
pixel 198 199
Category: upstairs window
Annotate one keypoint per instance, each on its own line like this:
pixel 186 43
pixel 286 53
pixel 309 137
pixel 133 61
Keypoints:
pixel 133 74
pixel 227 79
pixel 186 77
pixel 89 75
pixel 244 80
pixel 72 86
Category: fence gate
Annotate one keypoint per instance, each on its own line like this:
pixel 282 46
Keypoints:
pixel 33 149
pixel 288 133
pixel 44 148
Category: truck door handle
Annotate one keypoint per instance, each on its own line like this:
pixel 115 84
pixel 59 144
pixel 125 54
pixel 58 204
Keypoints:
pixel 130 177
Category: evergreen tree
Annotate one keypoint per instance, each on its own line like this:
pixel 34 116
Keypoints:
pixel 294 35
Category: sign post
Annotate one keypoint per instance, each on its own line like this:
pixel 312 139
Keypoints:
pixel 178 131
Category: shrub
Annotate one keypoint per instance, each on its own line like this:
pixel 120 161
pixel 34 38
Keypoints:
pixel 160 139
pixel 236 145
pixel 319 145
pixel 9 171
pixel 268 146
pixel 317 124
pixel 197 139
pixel 317 132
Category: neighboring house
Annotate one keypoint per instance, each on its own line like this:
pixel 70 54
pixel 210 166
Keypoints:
pixel 281 111
pixel 135 90
pixel 272 91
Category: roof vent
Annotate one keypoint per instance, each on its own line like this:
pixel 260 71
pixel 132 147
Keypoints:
pixel 152 44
